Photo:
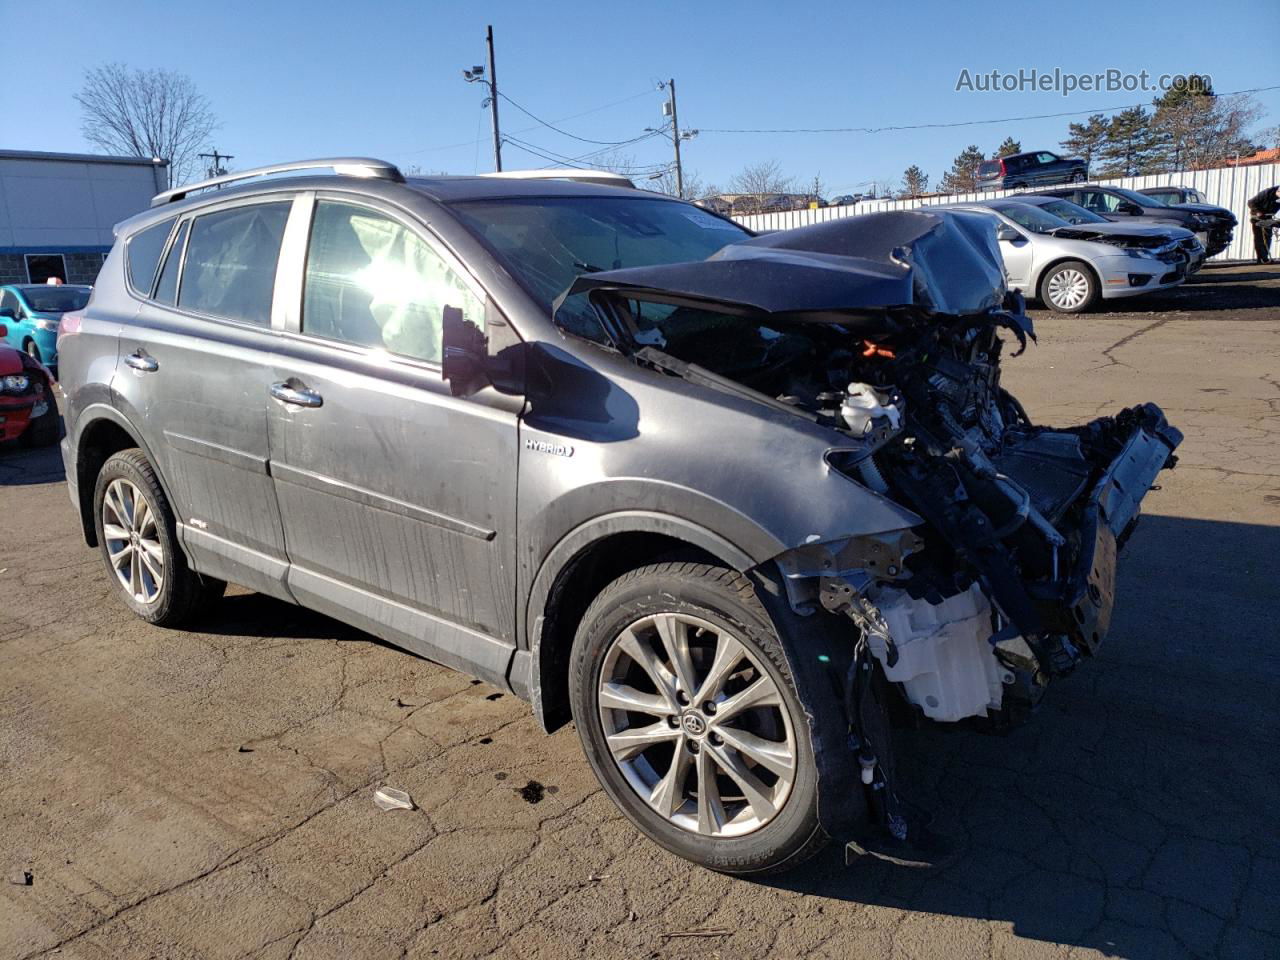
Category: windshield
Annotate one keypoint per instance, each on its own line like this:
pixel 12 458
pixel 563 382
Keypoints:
pixel 55 299
pixel 1141 199
pixel 547 242
pixel 1072 213
pixel 1030 217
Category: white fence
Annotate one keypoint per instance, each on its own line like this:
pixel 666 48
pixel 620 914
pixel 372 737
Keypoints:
pixel 1229 187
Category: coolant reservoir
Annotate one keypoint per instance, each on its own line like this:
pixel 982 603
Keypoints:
pixel 945 662
pixel 862 406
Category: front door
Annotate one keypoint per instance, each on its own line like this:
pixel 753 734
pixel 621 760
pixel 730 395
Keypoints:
pixel 398 499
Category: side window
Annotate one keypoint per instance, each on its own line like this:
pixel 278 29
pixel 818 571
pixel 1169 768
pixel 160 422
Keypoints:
pixel 9 301
pixel 167 288
pixel 1046 158
pixel 371 281
pixel 1109 202
pixel 145 248
pixel 230 269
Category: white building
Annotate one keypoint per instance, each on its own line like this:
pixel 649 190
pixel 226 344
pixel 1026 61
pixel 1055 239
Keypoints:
pixel 57 210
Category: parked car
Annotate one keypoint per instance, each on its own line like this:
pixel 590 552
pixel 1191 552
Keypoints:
pixel 1094 227
pixel 28 408
pixel 1213 225
pixel 736 463
pixel 1171 196
pixel 1069 268
pixel 32 313
pixel 1035 168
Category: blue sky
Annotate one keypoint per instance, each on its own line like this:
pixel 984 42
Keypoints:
pixel 292 80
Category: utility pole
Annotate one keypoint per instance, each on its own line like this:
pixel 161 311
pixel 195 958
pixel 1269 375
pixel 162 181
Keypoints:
pixel 493 102
pixel 675 139
pixel 216 169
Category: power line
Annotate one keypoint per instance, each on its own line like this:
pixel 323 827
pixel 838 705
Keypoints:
pixel 961 123
pixel 575 162
pixel 572 116
pixel 563 133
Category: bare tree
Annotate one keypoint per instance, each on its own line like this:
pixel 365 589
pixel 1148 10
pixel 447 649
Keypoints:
pixel 146 113
pixel 1201 132
pixel 758 182
pixel 665 182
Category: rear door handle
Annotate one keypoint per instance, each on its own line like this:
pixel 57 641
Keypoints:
pixel 296 393
pixel 141 360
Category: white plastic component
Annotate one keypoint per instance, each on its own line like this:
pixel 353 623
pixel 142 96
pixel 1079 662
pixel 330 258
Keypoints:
pixel 863 405
pixel 945 663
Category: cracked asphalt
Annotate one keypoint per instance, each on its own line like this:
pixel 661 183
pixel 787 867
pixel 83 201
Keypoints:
pixel 208 794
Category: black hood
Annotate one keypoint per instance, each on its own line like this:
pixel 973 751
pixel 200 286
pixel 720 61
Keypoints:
pixel 930 262
pixel 1208 210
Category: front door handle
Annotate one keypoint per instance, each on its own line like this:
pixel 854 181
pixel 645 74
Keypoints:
pixel 296 393
pixel 141 360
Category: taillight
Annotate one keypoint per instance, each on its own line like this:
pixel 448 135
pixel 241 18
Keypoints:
pixel 69 326
pixel 1002 170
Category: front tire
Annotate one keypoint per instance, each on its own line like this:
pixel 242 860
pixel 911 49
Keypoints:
pixel 1069 287
pixel 138 539
pixel 690 718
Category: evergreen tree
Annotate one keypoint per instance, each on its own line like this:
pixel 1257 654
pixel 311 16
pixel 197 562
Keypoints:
pixel 963 175
pixel 1010 146
pixel 1085 140
pixel 914 182
pixel 1130 144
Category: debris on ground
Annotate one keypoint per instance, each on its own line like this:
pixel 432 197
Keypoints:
pixel 243 749
pixel 532 792
pixel 389 798
pixel 22 878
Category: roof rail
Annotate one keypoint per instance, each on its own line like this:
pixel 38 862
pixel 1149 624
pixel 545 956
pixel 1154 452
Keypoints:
pixel 575 174
pixel 341 166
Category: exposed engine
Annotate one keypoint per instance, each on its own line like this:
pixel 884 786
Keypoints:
pixel 1014 552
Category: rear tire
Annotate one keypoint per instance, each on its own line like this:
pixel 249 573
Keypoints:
pixel 139 543
pixel 1069 287
pixel 722 774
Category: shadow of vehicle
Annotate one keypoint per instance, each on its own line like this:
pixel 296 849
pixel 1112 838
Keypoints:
pixel 1136 813
pixel 22 466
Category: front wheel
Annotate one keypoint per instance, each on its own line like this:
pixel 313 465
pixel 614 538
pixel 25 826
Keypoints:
pixel 1069 288
pixel 690 718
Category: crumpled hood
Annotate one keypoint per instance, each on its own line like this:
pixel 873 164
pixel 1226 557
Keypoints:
pixel 936 262
pixel 1129 234
pixel 1210 210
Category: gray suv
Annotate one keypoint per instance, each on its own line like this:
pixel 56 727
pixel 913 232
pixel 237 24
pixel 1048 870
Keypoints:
pixel 724 501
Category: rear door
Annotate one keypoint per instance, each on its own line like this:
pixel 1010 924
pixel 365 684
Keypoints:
pixel 196 364
pixel 398 499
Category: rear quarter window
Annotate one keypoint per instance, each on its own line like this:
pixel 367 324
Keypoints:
pixel 143 255
pixel 989 168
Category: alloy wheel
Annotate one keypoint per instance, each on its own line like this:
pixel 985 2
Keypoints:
pixel 698 728
pixel 132 533
pixel 1068 288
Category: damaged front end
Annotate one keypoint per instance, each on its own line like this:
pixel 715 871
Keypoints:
pixel 889 329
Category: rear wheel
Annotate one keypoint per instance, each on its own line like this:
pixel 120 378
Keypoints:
pixel 139 544
pixel 1078 177
pixel 1069 287
pixel 690 718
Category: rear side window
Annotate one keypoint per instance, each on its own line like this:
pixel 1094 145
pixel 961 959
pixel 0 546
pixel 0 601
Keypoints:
pixel 373 282
pixel 230 268
pixel 144 251
pixel 167 288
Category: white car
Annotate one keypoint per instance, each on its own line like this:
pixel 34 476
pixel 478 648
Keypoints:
pixel 1069 267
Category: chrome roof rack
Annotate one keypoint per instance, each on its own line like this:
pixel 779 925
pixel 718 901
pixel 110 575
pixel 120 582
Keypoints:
pixel 341 166
pixel 604 177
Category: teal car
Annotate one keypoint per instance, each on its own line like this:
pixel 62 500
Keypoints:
pixel 32 313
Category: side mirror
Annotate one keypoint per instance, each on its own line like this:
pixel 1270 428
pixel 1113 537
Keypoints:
pixel 465 353
pixel 1006 232
pixel 1132 209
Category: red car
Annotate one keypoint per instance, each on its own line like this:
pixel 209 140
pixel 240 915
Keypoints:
pixel 27 405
